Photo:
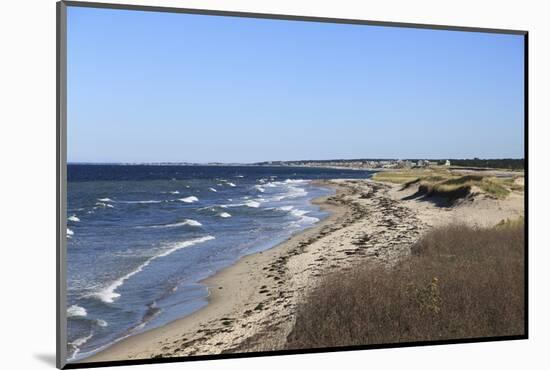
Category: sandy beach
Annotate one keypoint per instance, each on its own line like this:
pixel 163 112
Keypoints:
pixel 252 303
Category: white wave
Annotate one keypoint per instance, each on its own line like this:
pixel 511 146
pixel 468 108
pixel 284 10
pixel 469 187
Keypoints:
pixel 75 310
pixel 141 201
pixel 303 219
pixel 101 323
pixel 289 181
pixel 191 223
pixel 212 189
pixel 259 188
pixel 174 192
pixel 241 176
pixel 105 200
pixel 249 203
pixel 292 192
pixel 104 205
pixel 80 341
pixel 231 184
pixel 286 208
pixel 224 215
pixel 308 220
pixel 182 223
pixel 73 218
pixel 190 199
pixel 109 294
pixel 298 212
pixel 69 232
pixel 252 204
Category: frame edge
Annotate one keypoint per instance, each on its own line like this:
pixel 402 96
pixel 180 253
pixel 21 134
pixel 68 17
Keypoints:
pixel 61 185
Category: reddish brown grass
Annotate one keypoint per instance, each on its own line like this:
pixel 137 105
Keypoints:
pixel 459 282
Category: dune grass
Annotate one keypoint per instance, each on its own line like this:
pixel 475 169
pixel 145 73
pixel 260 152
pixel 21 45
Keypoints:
pixel 458 282
pixel 397 177
pixel 449 184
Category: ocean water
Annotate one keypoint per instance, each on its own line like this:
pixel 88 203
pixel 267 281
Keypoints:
pixel 141 237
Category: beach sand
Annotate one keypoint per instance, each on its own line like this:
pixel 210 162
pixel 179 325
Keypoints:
pixel 252 303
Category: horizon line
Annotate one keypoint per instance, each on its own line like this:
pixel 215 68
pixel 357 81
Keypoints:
pixel 294 160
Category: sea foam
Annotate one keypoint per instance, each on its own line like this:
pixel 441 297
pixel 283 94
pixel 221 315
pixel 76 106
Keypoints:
pixel 224 215
pixel 286 208
pixel 190 199
pixel 73 218
pixel 75 311
pixel 187 222
pixel 80 341
pixel 141 201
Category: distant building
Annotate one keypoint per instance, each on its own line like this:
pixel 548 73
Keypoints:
pixel 447 162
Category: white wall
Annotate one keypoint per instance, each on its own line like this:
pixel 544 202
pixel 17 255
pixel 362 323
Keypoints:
pixel 27 197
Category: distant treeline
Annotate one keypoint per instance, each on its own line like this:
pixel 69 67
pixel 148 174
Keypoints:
pixel 507 163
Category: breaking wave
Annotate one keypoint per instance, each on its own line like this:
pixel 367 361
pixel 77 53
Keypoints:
pixel 109 294
pixel 190 199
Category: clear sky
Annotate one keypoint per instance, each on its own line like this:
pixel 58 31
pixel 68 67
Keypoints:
pixel 149 87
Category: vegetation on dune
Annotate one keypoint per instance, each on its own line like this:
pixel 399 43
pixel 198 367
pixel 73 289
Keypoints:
pixel 449 184
pixel 458 282
pixel 399 177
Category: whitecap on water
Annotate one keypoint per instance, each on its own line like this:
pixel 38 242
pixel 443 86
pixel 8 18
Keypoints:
pixel 187 222
pixel 76 310
pixel 108 294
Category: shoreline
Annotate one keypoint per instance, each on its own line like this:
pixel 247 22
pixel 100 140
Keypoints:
pixel 226 285
pixel 251 305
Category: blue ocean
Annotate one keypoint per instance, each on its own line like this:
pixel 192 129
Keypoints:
pixel 142 237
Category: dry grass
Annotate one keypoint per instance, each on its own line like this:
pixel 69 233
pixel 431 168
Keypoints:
pixel 401 176
pixel 459 282
pixel 449 184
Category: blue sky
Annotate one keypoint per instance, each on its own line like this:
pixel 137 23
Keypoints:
pixel 148 87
